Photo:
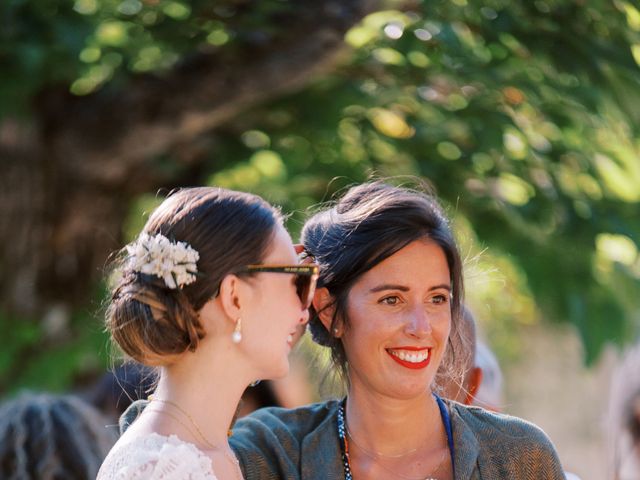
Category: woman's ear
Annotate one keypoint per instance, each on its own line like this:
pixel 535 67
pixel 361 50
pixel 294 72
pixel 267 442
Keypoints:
pixel 229 296
pixel 324 305
pixel 475 379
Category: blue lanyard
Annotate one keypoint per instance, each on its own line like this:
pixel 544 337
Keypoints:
pixel 446 419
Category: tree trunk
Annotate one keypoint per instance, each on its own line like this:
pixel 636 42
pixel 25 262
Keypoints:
pixel 67 180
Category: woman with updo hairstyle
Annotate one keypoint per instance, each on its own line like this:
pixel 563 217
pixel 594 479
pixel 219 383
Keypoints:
pixel 211 293
pixel 388 306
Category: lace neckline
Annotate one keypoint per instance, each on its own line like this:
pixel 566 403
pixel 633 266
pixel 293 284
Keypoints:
pixel 174 439
pixel 156 456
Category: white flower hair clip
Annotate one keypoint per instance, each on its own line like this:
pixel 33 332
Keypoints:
pixel 174 262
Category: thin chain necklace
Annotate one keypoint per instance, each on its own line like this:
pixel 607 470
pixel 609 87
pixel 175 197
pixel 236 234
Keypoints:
pixel 376 455
pixel 343 434
pixel 225 451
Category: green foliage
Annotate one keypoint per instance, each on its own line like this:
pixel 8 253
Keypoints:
pixel 55 366
pixel 20 335
pixel 523 114
pixel 50 355
pixel 84 45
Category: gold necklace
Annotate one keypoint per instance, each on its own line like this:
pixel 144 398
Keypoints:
pixel 225 451
pixel 195 425
pixel 375 456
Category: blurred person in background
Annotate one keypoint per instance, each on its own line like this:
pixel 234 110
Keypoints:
pixel 623 419
pixel 471 373
pixel 52 437
pixel 118 388
pixel 482 383
pixel 489 394
pixel 481 374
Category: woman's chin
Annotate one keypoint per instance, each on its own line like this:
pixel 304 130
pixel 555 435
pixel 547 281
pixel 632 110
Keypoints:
pixel 409 391
pixel 277 372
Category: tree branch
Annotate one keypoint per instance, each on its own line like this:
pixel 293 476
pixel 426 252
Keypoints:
pixel 72 176
pixel 108 134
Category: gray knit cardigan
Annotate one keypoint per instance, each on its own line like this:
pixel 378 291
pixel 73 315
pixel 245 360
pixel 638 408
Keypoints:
pixel 277 443
pixel 302 444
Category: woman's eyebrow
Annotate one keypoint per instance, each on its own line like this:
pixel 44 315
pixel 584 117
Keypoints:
pixel 389 286
pixel 404 288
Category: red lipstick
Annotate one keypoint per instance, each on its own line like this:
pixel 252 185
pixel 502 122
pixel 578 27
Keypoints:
pixel 411 365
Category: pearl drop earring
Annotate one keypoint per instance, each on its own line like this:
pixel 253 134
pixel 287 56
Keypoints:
pixel 236 336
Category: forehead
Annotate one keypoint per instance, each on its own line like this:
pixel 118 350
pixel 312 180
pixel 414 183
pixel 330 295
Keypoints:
pixel 281 249
pixel 421 263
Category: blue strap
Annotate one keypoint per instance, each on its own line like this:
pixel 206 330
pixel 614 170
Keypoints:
pixel 446 420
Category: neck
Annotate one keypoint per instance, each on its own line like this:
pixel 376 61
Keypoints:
pixel 391 426
pixel 204 387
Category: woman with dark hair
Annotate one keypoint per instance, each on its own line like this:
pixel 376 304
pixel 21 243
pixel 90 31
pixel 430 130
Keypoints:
pixel 211 293
pixel 51 437
pixel 388 305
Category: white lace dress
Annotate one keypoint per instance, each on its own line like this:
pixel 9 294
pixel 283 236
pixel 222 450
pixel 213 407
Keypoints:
pixel 156 457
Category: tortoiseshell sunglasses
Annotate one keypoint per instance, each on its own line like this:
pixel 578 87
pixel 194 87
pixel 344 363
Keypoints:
pixel 305 280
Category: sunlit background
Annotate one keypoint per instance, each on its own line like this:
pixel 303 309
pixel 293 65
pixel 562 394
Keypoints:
pixel 523 115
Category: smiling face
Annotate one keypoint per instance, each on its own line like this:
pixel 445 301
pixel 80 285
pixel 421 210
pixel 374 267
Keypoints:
pixel 399 321
pixel 272 318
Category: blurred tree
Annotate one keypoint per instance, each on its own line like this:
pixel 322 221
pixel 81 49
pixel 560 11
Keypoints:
pixel 101 101
pixel 523 114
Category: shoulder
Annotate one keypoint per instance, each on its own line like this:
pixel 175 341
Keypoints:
pixel 271 442
pixel 155 457
pixel 505 442
pixel 500 427
pixel 294 424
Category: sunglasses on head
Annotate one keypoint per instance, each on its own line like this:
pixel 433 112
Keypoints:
pixel 306 277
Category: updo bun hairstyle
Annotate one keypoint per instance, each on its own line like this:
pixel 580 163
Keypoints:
pixel 153 323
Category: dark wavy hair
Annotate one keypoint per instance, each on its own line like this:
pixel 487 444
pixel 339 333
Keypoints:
pixel 153 323
pixel 50 437
pixel 368 224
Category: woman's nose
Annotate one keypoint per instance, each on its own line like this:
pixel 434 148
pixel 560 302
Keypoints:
pixel 419 323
